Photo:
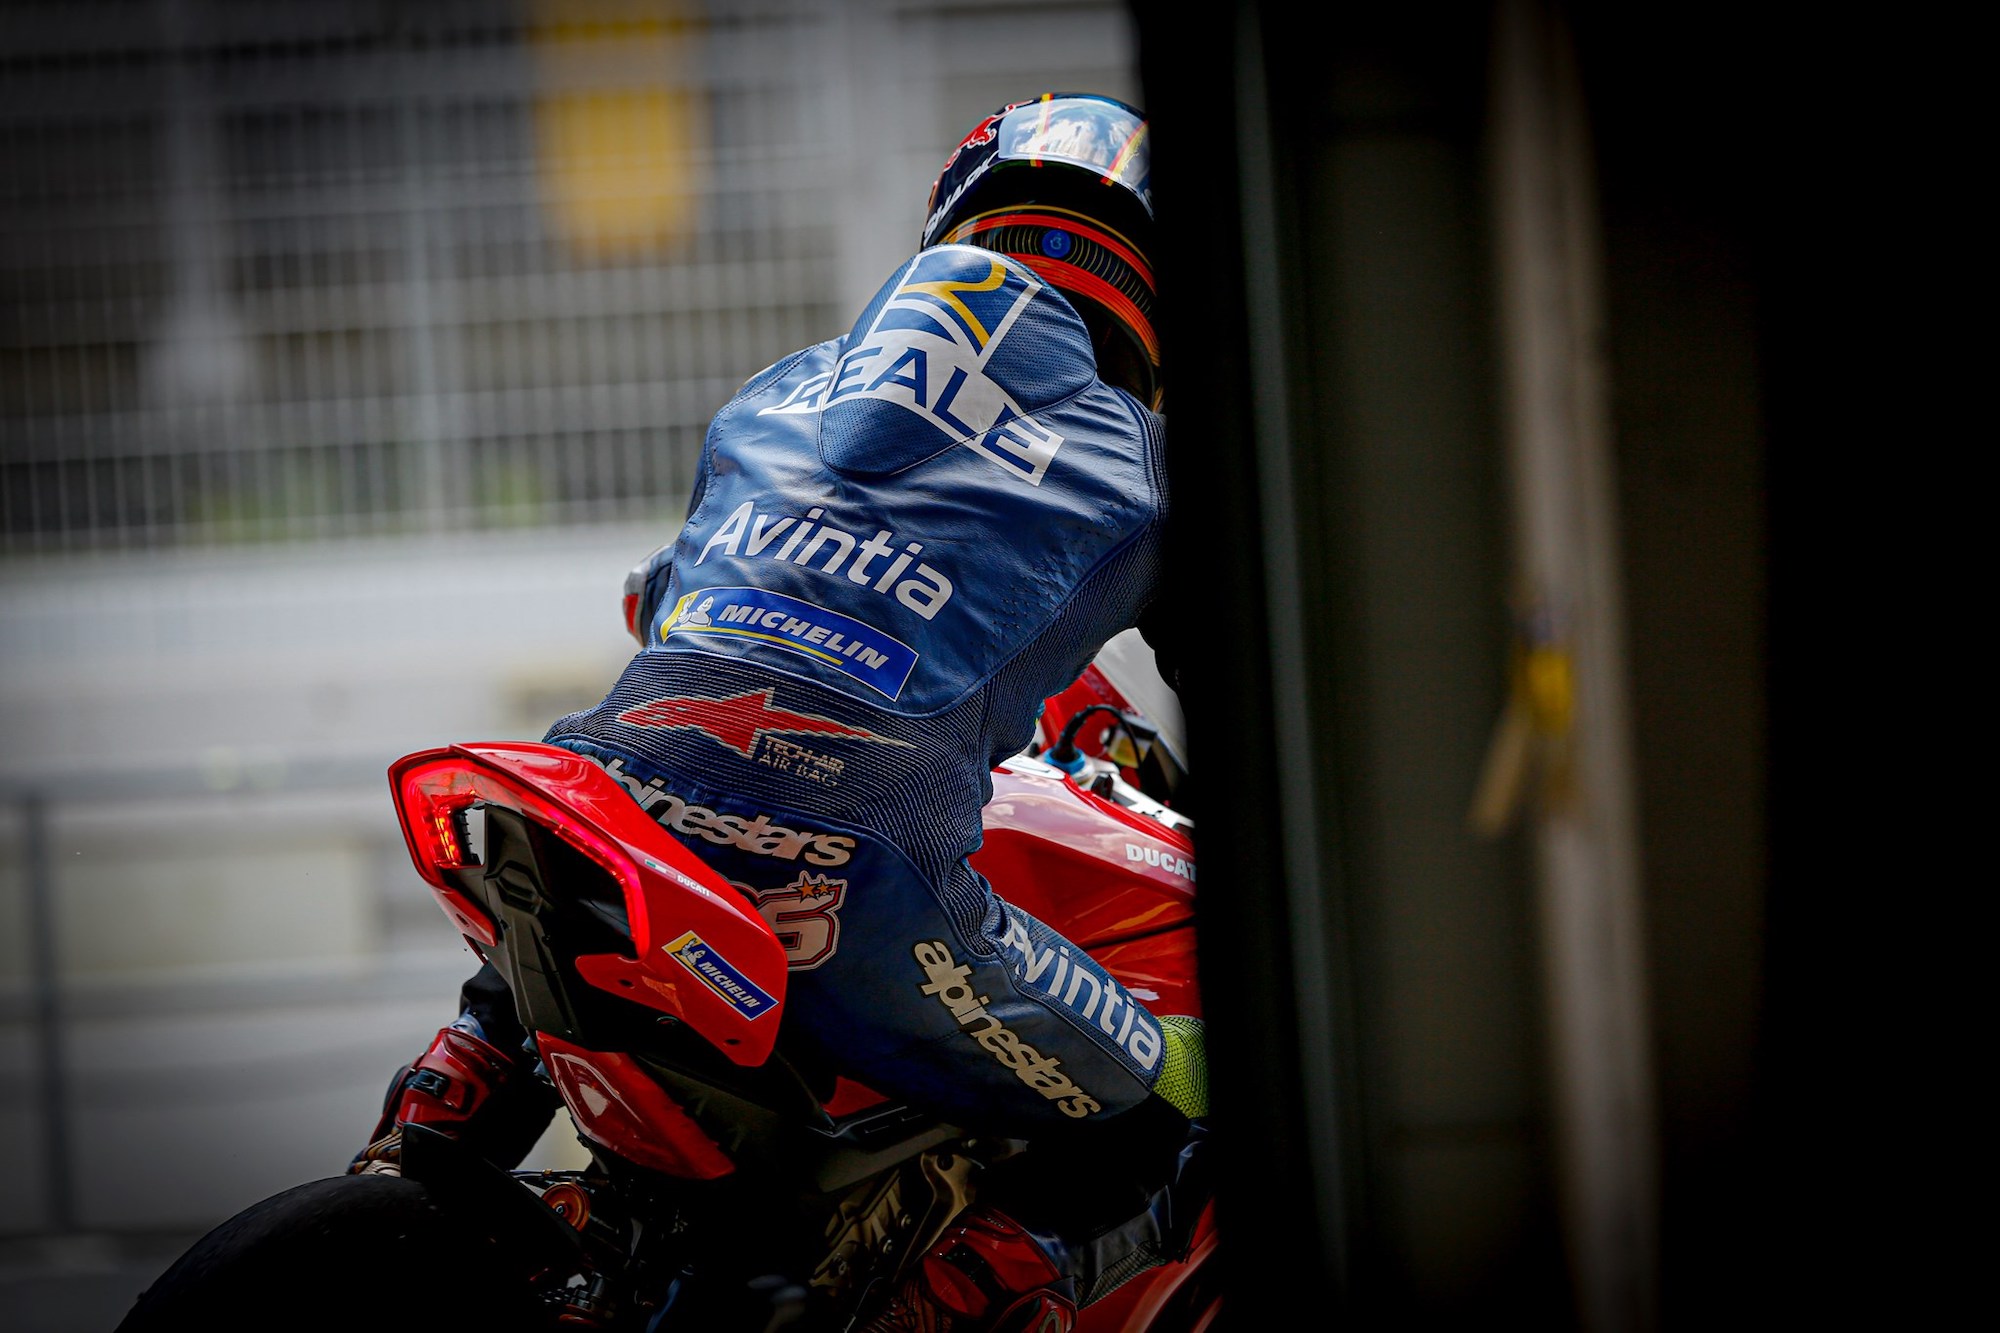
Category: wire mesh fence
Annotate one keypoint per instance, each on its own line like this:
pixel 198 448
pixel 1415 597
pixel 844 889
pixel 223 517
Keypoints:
pixel 303 269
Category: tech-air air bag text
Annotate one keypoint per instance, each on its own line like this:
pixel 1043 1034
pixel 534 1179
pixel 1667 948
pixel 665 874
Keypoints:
pixel 950 982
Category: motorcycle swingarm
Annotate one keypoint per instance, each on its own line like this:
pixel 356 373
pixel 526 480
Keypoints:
pixel 532 1233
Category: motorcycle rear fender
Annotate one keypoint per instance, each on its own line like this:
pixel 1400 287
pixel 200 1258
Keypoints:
pixel 700 953
pixel 617 1104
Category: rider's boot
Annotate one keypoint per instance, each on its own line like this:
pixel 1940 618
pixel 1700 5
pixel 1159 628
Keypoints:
pixel 986 1274
pixel 464 1087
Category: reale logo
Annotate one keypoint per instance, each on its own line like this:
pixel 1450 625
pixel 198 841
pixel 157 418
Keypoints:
pixel 927 351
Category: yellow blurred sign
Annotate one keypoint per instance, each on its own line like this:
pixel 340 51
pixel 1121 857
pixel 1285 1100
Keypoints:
pixel 622 137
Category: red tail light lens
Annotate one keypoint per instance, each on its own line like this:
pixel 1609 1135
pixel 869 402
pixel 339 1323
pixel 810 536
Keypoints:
pixel 448 832
pixel 700 952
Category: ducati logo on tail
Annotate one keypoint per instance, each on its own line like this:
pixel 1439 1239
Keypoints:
pixel 740 720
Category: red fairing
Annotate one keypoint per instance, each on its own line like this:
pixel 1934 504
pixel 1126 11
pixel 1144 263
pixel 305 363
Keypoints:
pixel 983 1265
pixel 1189 1287
pixel 617 1104
pixel 701 954
pixel 849 1097
pixel 1158 969
pixel 1091 869
pixel 632 625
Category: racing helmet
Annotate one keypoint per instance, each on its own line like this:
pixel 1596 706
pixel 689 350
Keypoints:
pixel 1062 183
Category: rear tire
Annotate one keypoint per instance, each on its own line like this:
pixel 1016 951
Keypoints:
pixel 348 1252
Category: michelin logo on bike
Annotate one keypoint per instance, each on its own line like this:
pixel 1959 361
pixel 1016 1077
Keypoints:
pixel 714 971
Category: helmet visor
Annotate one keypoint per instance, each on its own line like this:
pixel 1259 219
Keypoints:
pixel 1090 132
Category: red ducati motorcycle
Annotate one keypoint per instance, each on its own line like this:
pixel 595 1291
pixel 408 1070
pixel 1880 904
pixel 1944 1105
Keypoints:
pixel 726 1190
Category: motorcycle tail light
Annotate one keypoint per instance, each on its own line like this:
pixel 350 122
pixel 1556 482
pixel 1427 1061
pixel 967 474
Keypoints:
pixel 434 795
pixel 434 798
pixel 448 832
pixel 700 953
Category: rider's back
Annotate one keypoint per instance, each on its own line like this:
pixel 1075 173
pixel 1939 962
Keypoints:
pixel 902 541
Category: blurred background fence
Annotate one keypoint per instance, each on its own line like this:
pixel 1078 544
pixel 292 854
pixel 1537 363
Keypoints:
pixel 292 271
pixel 350 352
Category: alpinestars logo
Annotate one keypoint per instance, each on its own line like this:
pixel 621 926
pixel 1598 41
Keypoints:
pixel 739 720
pixel 951 983
pixel 755 834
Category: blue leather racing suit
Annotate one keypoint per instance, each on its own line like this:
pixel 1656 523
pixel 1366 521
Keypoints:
pixel 901 542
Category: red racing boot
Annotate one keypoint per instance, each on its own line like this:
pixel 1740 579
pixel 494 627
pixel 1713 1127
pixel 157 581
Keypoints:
pixel 986 1274
pixel 457 1087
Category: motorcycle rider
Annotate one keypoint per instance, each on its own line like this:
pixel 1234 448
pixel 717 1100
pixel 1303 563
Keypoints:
pixel 900 542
